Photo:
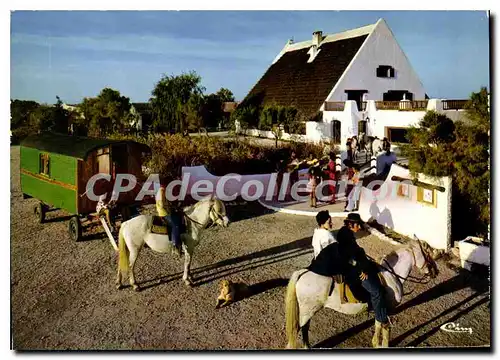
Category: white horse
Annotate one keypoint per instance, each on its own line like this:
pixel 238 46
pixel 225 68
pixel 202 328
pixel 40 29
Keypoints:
pixel 373 145
pixel 308 292
pixel 136 232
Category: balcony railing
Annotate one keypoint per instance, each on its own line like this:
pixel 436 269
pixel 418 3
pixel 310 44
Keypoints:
pixel 454 104
pixel 403 105
pixel 334 105
pixel 417 105
pixel 387 105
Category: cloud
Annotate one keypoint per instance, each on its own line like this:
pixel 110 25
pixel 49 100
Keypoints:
pixel 155 45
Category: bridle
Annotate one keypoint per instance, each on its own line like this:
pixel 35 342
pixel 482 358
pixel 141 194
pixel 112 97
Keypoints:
pixel 212 210
pixel 411 278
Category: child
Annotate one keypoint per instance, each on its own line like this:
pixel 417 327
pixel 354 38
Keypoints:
pixel 314 180
pixel 331 175
pixel 353 197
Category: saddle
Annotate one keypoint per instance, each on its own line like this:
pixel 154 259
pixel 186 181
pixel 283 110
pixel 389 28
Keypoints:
pixel 160 227
pixel 346 294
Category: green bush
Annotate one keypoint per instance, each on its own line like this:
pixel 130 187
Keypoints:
pixel 169 153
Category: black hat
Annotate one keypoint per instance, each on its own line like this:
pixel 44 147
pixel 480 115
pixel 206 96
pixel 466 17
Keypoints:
pixel 322 217
pixel 355 218
pixel 347 162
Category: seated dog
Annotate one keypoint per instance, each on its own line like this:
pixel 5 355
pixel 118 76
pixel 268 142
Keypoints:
pixel 229 292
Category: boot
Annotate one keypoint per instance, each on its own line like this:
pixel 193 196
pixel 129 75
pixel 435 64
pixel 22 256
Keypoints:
pixel 376 335
pixel 386 332
pixel 177 250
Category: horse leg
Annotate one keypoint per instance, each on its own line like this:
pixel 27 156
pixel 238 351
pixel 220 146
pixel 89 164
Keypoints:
pixel 132 258
pixel 305 334
pixel 119 279
pixel 186 277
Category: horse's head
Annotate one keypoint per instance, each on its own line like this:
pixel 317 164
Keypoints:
pixel 218 212
pixel 425 257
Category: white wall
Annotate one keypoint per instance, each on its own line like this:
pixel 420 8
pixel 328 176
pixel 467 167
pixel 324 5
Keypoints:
pixel 378 119
pixel 231 186
pixel 380 48
pixel 285 136
pixel 407 216
pixel 392 118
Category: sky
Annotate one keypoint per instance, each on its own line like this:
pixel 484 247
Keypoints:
pixel 75 54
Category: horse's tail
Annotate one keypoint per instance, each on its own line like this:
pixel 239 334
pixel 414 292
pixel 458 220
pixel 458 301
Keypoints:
pixel 292 311
pixel 123 252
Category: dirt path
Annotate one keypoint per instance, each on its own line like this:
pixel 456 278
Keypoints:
pixel 64 296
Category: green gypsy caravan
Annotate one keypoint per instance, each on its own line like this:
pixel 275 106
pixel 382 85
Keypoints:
pixel 55 170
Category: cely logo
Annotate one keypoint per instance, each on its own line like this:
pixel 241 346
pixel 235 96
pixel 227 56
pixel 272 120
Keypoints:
pixel 452 327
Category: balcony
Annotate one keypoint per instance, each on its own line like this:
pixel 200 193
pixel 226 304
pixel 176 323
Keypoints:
pixel 417 105
pixel 454 104
pixel 403 105
pixel 387 105
pixel 334 105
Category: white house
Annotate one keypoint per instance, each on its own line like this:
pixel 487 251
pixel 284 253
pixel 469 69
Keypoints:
pixel 356 81
pixel 135 119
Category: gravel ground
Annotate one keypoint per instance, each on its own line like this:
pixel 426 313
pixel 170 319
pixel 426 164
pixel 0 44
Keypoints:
pixel 63 293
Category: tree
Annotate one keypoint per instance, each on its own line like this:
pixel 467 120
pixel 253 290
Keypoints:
pixel 61 118
pixel 225 95
pixel 277 119
pixel 19 112
pixel 107 113
pixel 193 113
pixel 170 98
pixel 440 147
pixel 245 116
pixel 42 118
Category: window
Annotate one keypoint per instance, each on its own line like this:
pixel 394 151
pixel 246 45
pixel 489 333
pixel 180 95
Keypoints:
pixel 426 196
pixel 44 164
pixel 103 160
pixel 396 135
pixel 336 131
pixel 362 127
pixel 385 71
pixel 404 190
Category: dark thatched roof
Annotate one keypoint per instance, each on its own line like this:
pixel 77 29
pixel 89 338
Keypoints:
pixel 292 81
pixel 74 146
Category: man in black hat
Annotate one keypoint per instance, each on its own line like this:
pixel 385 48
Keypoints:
pixel 360 268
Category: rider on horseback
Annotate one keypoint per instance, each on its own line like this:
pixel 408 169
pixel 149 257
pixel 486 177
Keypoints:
pixel 172 216
pixel 359 267
pixel 346 257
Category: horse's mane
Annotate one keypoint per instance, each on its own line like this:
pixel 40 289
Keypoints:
pixel 188 210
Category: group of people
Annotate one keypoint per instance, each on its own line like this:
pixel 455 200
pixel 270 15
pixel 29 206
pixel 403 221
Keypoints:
pixel 343 256
pixel 319 172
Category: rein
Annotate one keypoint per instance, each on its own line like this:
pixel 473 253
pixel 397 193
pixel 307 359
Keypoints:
pixel 196 222
pixel 409 278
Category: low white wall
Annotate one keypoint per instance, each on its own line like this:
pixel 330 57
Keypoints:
pixel 406 215
pixel 230 187
pixel 270 135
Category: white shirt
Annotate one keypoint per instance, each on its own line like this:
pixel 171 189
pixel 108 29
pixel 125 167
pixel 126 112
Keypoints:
pixel 321 239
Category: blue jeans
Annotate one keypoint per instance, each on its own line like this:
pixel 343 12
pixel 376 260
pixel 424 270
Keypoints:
pixel 174 221
pixel 377 296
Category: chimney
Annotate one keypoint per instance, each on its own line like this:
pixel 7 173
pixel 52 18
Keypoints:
pixel 317 37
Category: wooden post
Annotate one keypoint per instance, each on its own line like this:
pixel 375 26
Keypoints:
pixel 108 232
pixel 338 164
